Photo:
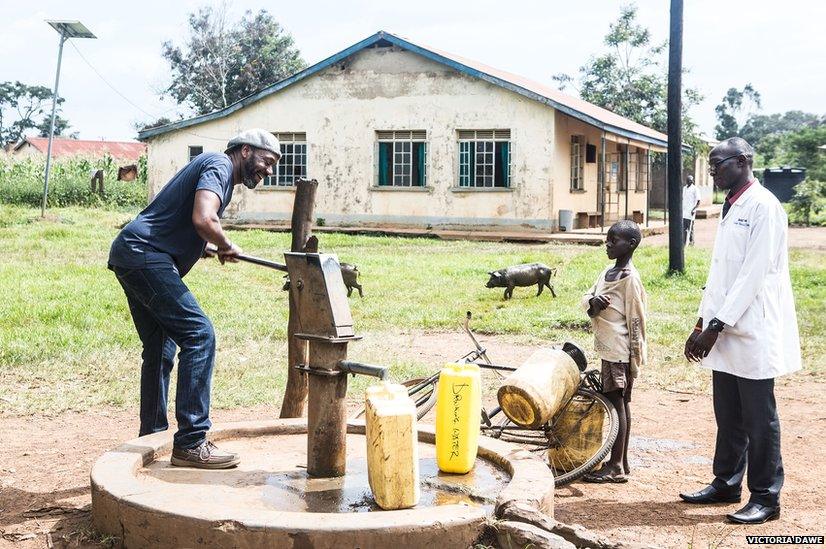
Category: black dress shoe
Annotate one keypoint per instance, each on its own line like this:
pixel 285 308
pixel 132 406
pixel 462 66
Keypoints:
pixel 754 513
pixel 710 494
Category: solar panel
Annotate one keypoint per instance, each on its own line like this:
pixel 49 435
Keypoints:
pixel 71 29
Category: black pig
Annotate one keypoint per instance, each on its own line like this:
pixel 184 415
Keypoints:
pixel 522 275
pixel 350 274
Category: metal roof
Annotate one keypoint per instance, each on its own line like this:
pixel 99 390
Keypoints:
pixel 572 106
pixel 125 150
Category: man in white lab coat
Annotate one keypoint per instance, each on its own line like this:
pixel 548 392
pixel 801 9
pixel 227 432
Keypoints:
pixel 747 335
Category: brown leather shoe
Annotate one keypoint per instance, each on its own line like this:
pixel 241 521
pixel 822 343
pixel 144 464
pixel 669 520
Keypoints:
pixel 204 456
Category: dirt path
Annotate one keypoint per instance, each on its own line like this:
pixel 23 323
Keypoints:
pixel 45 464
pixel 813 238
pixel 671 446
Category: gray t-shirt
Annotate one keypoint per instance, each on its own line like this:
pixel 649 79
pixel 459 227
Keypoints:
pixel 163 233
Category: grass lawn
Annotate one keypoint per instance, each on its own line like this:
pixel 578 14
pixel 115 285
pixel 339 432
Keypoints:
pixel 67 341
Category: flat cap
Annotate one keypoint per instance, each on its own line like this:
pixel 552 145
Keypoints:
pixel 258 138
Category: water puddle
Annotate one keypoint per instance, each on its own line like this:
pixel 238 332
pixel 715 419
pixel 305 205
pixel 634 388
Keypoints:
pixel 296 491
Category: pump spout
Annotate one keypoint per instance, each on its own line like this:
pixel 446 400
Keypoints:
pixel 351 367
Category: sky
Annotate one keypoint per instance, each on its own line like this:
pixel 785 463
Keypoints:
pixel 114 81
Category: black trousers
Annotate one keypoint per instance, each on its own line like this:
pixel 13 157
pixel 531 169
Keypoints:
pixel 748 436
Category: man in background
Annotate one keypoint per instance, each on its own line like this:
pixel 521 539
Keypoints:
pixel 691 199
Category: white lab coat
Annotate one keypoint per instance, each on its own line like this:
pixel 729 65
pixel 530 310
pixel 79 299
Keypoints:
pixel 750 290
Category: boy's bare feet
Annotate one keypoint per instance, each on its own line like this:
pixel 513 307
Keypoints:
pixel 606 473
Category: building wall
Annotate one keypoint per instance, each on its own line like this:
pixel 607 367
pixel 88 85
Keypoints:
pixel 586 200
pixel 564 197
pixel 27 151
pixel 703 181
pixel 341 108
pixel 634 200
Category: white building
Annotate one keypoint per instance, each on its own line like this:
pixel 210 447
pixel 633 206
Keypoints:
pixel 400 134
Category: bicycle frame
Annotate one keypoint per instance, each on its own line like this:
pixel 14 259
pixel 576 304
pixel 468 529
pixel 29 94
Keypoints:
pixel 553 436
pixel 588 380
pixel 541 438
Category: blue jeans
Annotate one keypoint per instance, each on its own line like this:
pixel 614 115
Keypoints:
pixel 167 315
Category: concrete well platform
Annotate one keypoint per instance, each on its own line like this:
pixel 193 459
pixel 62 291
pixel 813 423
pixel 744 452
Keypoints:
pixel 270 501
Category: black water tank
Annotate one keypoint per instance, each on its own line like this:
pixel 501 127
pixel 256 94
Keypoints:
pixel 781 181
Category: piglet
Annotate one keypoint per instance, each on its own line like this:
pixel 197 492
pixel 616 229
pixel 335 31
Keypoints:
pixel 522 275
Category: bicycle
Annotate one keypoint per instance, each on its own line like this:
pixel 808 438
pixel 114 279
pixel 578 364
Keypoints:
pixel 576 439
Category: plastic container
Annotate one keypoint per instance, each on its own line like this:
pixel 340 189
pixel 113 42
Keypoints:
pixel 532 394
pixel 458 417
pixel 566 220
pixel 392 446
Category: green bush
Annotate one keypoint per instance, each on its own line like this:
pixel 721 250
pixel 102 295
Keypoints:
pixel 21 183
pixel 809 199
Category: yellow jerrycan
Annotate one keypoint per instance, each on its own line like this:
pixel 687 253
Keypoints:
pixel 392 446
pixel 458 417
pixel 532 394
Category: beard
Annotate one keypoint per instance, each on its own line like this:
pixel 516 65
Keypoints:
pixel 248 176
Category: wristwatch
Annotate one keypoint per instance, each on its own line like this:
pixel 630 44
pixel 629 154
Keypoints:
pixel 716 325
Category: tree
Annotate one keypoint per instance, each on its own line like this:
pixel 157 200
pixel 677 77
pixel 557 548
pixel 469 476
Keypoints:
pixel 23 107
pixel 624 80
pixel 779 138
pixel 758 126
pixel 809 198
pixel 162 121
pixel 802 149
pixel 735 103
pixel 630 78
pixel 222 62
pixel 60 127
pixel 765 131
pixel 798 148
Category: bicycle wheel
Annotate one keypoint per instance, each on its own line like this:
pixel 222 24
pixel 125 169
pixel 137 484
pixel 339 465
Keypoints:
pixel 581 435
pixel 423 392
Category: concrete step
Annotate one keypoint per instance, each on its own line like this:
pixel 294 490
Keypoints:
pixel 712 210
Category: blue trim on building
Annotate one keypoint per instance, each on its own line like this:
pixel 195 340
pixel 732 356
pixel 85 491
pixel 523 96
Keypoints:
pixel 384 37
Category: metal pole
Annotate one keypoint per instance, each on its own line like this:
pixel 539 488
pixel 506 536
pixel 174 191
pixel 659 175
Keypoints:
pixel 51 127
pixel 676 258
